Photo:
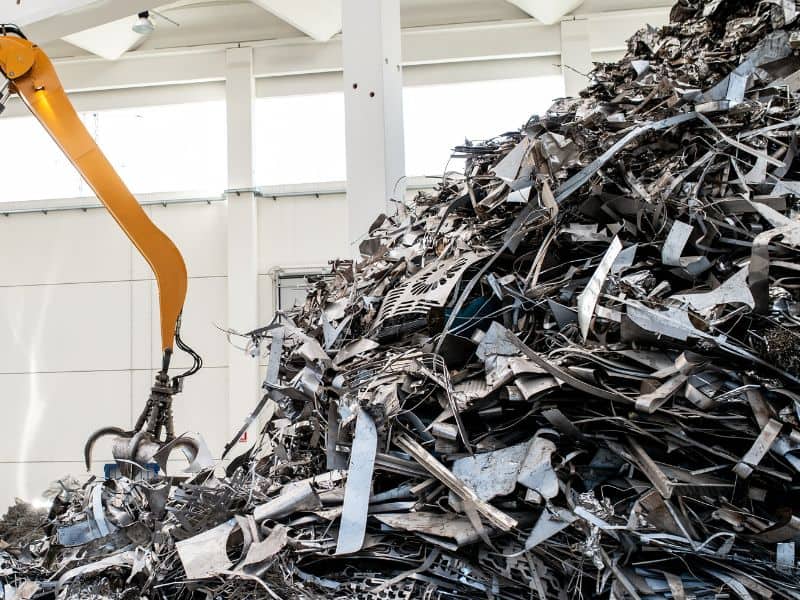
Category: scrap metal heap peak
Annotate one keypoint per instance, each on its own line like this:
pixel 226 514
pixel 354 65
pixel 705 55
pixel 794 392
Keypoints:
pixel 572 371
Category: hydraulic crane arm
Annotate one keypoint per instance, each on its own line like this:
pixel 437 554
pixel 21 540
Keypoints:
pixel 27 71
pixel 31 75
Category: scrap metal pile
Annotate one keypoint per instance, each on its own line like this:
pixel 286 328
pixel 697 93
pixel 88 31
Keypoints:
pixel 571 371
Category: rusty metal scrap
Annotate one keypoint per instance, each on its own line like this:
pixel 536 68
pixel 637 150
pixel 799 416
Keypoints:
pixel 571 371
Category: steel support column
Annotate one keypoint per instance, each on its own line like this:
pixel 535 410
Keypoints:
pixel 243 380
pixel 373 110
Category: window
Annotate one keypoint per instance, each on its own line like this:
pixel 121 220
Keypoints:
pixel 294 286
pixel 166 148
pixel 439 117
pixel 300 139
pixel 154 149
pixel 32 166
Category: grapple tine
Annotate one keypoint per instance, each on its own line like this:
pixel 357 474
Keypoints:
pixel 113 431
pixel 183 443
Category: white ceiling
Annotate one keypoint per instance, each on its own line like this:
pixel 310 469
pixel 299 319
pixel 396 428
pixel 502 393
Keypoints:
pixel 102 27
pixel 25 12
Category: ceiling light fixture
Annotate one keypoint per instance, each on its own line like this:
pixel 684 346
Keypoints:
pixel 144 25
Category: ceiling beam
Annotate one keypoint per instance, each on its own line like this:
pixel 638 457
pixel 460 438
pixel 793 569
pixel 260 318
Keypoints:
pixel 547 11
pixel 422 46
pixel 86 17
pixel 318 19
pixel 109 41
pixel 441 45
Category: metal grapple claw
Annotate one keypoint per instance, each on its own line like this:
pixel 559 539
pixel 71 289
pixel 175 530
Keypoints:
pixel 153 437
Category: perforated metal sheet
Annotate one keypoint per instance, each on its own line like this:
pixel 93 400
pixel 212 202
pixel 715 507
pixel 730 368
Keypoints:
pixel 430 288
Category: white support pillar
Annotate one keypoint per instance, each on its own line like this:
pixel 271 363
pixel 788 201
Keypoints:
pixel 373 110
pixel 576 55
pixel 243 380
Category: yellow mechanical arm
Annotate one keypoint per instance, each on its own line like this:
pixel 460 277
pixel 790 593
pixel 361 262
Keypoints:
pixel 33 78
pixel 26 70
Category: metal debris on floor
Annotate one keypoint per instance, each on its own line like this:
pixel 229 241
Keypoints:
pixel 570 372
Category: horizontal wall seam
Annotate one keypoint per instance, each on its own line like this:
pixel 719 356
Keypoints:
pixel 87 371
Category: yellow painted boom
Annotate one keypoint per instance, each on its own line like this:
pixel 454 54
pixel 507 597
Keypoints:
pixel 33 77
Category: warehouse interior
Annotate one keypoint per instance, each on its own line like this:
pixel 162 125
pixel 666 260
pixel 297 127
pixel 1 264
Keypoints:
pixel 79 346
pixel 399 299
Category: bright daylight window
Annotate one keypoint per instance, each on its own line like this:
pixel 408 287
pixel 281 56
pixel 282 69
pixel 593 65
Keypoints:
pixel 154 149
pixel 439 117
pixel 299 139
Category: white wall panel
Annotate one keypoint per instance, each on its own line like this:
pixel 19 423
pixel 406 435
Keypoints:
pixel 143 334
pixel 65 327
pixel 301 231
pixel 205 309
pixel 198 230
pixel 66 247
pixel 55 413
pixel 141 382
pixel 203 407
